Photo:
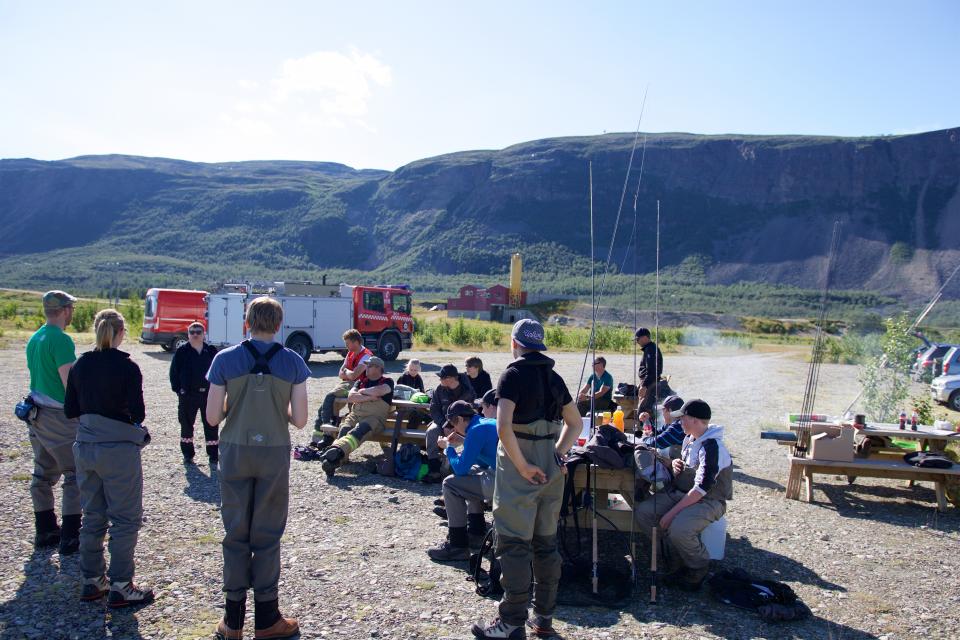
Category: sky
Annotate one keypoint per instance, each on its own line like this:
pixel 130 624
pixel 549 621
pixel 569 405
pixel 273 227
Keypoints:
pixel 381 84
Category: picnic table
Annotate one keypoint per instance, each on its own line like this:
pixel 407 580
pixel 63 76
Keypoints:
pixel 884 461
pixel 395 431
pixel 614 496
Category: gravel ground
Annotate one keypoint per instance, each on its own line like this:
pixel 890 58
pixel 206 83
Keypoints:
pixel 872 560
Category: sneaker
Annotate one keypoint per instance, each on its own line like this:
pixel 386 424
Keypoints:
pixel 94 589
pixel 440 511
pixel 46 539
pixel 498 629
pixel 542 627
pixel 126 594
pixel 226 633
pixel 281 629
pixel 446 552
pixel 69 545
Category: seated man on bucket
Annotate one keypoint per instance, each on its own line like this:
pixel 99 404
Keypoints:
pixel 369 401
pixel 703 482
pixel 472 481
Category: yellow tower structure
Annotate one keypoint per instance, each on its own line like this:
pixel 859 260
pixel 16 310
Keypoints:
pixel 516 269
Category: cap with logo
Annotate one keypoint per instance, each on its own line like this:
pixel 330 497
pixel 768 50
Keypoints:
pixel 696 409
pixel 374 361
pixel 53 300
pixel 458 408
pixel 529 334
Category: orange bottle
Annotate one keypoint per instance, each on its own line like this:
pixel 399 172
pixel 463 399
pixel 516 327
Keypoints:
pixel 618 419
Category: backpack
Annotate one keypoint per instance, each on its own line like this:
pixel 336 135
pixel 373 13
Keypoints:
pixel 774 601
pixel 407 462
pixel 928 459
pixel 487 580
pixel 653 471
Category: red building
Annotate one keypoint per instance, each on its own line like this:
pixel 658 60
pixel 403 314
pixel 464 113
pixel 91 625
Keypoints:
pixel 485 304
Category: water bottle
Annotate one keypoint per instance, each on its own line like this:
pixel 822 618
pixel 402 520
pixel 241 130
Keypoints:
pixel 903 420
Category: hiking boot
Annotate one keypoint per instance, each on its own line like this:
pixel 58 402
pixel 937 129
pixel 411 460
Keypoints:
pixel 323 443
pixel 70 535
pixel 48 533
pixel 94 589
pixel 282 628
pixel 688 579
pixel 446 552
pixel 440 511
pixel 542 627
pixel 127 594
pixel 498 629
pixel 226 633
pixel 331 460
pixel 440 502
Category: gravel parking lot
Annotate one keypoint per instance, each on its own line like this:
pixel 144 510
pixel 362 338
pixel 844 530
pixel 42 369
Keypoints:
pixel 874 560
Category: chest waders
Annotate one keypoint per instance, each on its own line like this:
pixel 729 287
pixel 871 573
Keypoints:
pixel 525 519
pixel 254 479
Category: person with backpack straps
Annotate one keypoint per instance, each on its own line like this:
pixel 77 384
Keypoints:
pixel 533 402
pixel 256 389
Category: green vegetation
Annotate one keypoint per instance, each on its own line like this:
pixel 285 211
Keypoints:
pixel 884 377
pixel 901 252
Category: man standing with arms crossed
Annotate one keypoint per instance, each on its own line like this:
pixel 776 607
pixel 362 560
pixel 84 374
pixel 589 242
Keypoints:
pixel 533 399
pixel 651 368
pixel 50 355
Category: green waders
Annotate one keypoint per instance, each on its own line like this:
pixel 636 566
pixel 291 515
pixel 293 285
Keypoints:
pixel 254 484
pixel 525 518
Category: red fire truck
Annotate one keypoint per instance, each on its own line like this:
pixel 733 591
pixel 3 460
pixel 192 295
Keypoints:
pixel 168 312
pixel 315 316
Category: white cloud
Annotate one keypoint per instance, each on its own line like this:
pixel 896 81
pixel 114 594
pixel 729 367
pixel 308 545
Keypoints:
pixel 324 90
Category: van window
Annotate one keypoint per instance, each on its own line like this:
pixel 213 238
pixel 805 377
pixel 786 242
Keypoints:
pixel 401 303
pixel 373 301
pixel 149 307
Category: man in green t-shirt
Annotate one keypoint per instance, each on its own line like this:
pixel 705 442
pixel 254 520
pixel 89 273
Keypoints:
pixel 50 354
pixel 600 386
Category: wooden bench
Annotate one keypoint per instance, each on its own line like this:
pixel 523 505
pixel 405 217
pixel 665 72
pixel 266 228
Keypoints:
pixel 403 410
pixel 871 468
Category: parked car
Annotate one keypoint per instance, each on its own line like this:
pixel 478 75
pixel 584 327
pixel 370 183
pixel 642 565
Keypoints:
pixel 925 368
pixel 951 362
pixel 946 390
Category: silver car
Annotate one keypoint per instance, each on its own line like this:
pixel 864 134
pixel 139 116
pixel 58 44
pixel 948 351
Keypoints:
pixel 946 390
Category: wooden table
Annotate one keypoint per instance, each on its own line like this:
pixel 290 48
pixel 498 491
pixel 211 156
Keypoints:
pixel 874 468
pixel 395 430
pixel 609 482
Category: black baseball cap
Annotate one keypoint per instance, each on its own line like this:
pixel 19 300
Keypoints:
pixel 490 397
pixel 696 409
pixel 458 408
pixel 448 371
pixel 529 334
pixel 674 402
pixel 642 331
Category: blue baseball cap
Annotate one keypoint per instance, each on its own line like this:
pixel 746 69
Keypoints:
pixel 529 334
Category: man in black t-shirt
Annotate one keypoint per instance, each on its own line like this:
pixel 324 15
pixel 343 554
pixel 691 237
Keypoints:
pixel 369 401
pixel 532 401
pixel 651 368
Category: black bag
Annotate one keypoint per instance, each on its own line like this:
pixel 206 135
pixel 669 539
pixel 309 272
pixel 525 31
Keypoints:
pixel 627 390
pixel 928 460
pixel 487 580
pixel 26 409
pixel 773 601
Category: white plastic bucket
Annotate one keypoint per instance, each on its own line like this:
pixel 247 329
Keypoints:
pixel 714 538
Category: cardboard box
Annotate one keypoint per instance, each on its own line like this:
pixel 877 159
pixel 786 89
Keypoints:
pixel 825 446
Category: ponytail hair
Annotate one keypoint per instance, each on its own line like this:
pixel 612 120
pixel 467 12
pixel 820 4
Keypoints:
pixel 107 324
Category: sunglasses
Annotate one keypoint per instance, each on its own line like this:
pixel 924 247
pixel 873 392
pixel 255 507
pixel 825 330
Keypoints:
pixel 196 333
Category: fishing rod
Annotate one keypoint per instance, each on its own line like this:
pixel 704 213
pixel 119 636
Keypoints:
pixel 595 553
pixel 916 323
pixel 656 399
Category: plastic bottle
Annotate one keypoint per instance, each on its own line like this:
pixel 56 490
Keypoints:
pixel 903 420
pixel 606 417
pixel 913 421
pixel 618 419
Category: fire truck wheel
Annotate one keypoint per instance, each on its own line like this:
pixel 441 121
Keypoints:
pixel 178 342
pixel 301 346
pixel 165 347
pixel 389 347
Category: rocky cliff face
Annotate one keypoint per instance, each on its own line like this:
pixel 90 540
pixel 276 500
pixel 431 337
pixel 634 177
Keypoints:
pixel 738 207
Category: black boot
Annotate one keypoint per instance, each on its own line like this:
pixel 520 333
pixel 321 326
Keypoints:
pixel 331 460
pixel 48 533
pixel 453 548
pixel 476 529
pixel 433 475
pixel 324 442
pixel 70 535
